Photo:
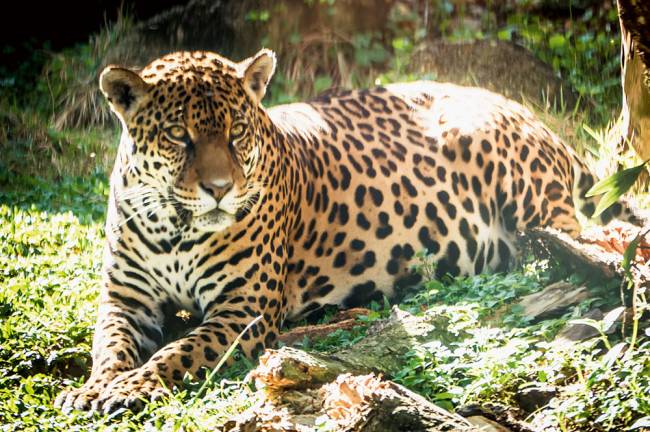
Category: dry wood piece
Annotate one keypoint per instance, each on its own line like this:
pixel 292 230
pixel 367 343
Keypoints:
pixel 343 320
pixel 363 403
pixel 616 237
pixel 298 334
pixel 346 314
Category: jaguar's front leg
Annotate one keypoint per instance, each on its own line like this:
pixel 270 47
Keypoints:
pixel 200 349
pixel 128 330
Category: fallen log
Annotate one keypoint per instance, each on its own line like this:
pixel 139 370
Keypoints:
pixel 349 403
pixel 345 390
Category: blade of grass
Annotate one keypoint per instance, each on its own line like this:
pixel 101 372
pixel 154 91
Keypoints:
pixel 223 359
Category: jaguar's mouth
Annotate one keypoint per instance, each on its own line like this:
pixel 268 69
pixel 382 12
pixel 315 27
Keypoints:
pixel 210 221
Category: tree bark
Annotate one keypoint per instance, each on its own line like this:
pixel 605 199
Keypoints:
pixel 634 18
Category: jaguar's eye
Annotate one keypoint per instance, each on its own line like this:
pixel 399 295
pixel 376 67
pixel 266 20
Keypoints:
pixel 177 133
pixel 237 130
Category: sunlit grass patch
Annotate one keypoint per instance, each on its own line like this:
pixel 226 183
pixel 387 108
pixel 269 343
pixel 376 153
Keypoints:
pixel 51 242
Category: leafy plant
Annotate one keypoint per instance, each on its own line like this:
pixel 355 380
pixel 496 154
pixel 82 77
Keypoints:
pixel 614 186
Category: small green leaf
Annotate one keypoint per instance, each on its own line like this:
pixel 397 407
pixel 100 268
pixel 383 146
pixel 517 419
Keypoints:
pixel 611 317
pixel 614 186
pixel 614 353
pixel 589 322
pixel 505 34
pixel 643 422
pixel 557 41
pixel 630 253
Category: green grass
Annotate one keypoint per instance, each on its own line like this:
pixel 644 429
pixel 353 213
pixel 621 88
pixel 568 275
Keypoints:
pixel 51 241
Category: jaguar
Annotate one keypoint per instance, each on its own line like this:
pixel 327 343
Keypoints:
pixel 233 212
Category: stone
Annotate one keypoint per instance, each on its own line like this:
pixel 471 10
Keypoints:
pixel 502 67
pixel 531 399
pixel 486 425
pixel 552 301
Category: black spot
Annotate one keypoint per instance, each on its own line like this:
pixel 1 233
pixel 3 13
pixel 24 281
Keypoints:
pixel 343 214
pixel 480 260
pixel 504 256
pixel 468 205
pixel 385 229
pixel 443 197
pixel 486 146
pixel 431 212
pixel 441 172
pixel 186 361
pixel 476 186
pixel 429 244
pixel 487 174
pixel 409 219
pixel 376 195
pixel 449 153
pixel 467 234
pixel 369 259
pixel 465 141
pixel 410 189
pixel 395 189
pixel 359 195
pixel 338 238
pixel 363 222
pixel 392 267
pixel 407 251
pixel 362 294
pixel 209 354
pixel 357 269
pixel 339 260
pixel 449 263
pixel 345 177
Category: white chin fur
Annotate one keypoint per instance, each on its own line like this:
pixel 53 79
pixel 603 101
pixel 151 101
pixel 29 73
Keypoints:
pixel 213 221
pixel 228 203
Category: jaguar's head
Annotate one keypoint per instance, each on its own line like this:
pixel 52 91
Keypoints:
pixel 191 134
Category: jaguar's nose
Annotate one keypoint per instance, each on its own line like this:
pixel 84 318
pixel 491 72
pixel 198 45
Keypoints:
pixel 217 188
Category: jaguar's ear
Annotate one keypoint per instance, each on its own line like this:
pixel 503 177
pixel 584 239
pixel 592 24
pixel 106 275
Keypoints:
pixel 124 89
pixel 257 72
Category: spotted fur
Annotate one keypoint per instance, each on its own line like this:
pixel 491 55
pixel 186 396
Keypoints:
pixel 230 211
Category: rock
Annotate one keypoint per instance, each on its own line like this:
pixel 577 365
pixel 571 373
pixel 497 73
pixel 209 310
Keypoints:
pixel 531 399
pixel 486 425
pixel 552 301
pixel 580 332
pixel 499 66
pixel 495 417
